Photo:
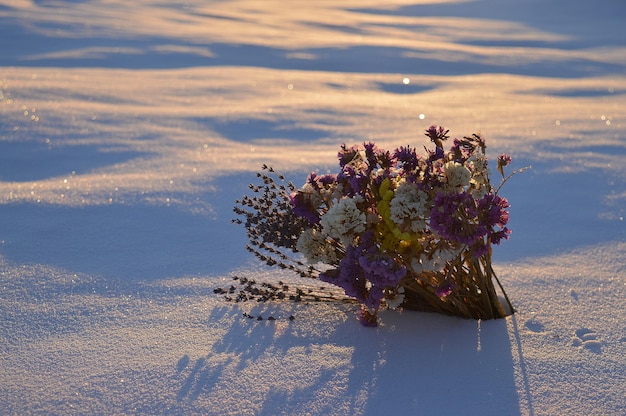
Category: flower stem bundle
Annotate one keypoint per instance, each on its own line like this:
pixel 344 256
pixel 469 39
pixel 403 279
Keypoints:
pixel 392 229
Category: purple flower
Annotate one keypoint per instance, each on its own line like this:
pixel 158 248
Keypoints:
pixel 362 167
pixel 367 318
pixel 435 155
pixel 349 276
pixel 355 181
pixel 312 178
pixel 407 157
pixel 492 210
pixel 457 217
pixel 464 148
pixel 382 270
pixel 302 207
pixel 503 161
pixel 497 236
pixel 302 203
pixel 371 155
pixel 444 289
pixel 451 217
pixel 364 272
pixel 492 213
pixel 384 159
pixel 319 182
pixel 347 154
pixel 327 179
pixel 377 158
pixel 437 135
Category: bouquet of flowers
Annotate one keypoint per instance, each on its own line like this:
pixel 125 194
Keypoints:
pixel 392 229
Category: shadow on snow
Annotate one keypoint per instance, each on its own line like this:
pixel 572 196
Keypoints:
pixel 407 362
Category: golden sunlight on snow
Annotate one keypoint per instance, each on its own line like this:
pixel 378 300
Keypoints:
pixel 129 128
pixel 174 127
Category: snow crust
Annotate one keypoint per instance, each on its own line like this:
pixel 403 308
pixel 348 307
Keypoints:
pixel 128 129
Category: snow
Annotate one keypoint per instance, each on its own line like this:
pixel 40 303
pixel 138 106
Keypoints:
pixel 128 129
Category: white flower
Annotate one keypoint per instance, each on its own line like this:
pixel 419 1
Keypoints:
pixel 480 174
pixel 478 163
pixel 423 264
pixel 312 194
pixel 344 220
pixel 315 248
pixel 409 207
pixel 436 263
pixel 397 299
pixel 456 174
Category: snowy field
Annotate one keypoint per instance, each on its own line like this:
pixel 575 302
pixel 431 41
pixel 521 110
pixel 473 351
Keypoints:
pixel 128 129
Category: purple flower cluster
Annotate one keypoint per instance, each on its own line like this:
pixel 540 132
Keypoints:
pixel 303 204
pixel 407 158
pixel 365 272
pixel 303 207
pixel 361 167
pixel 450 217
pixel 493 212
pixel 459 218
pixel 321 181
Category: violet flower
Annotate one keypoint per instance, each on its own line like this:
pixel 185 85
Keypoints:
pixel 503 161
pixel 444 289
pixel 302 207
pixel 327 179
pixel 364 272
pixel 382 270
pixel 437 135
pixel 384 159
pixel 457 217
pixel 492 210
pixel 350 277
pixel 492 213
pixel 367 318
pixel 355 181
pixel 464 148
pixel 407 157
pixel 371 155
pixel 347 154
pixel 451 217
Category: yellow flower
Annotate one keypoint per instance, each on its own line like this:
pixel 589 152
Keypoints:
pixel 390 236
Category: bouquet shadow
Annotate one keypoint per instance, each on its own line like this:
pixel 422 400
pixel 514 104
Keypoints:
pixel 434 364
pixel 414 363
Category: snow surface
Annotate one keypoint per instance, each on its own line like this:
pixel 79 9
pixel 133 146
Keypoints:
pixel 127 130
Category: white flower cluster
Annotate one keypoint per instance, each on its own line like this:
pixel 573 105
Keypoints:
pixel 314 245
pixel 435 263
pixel 344 220
pixel 456 174
pixel 409 207
pixel 480 174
